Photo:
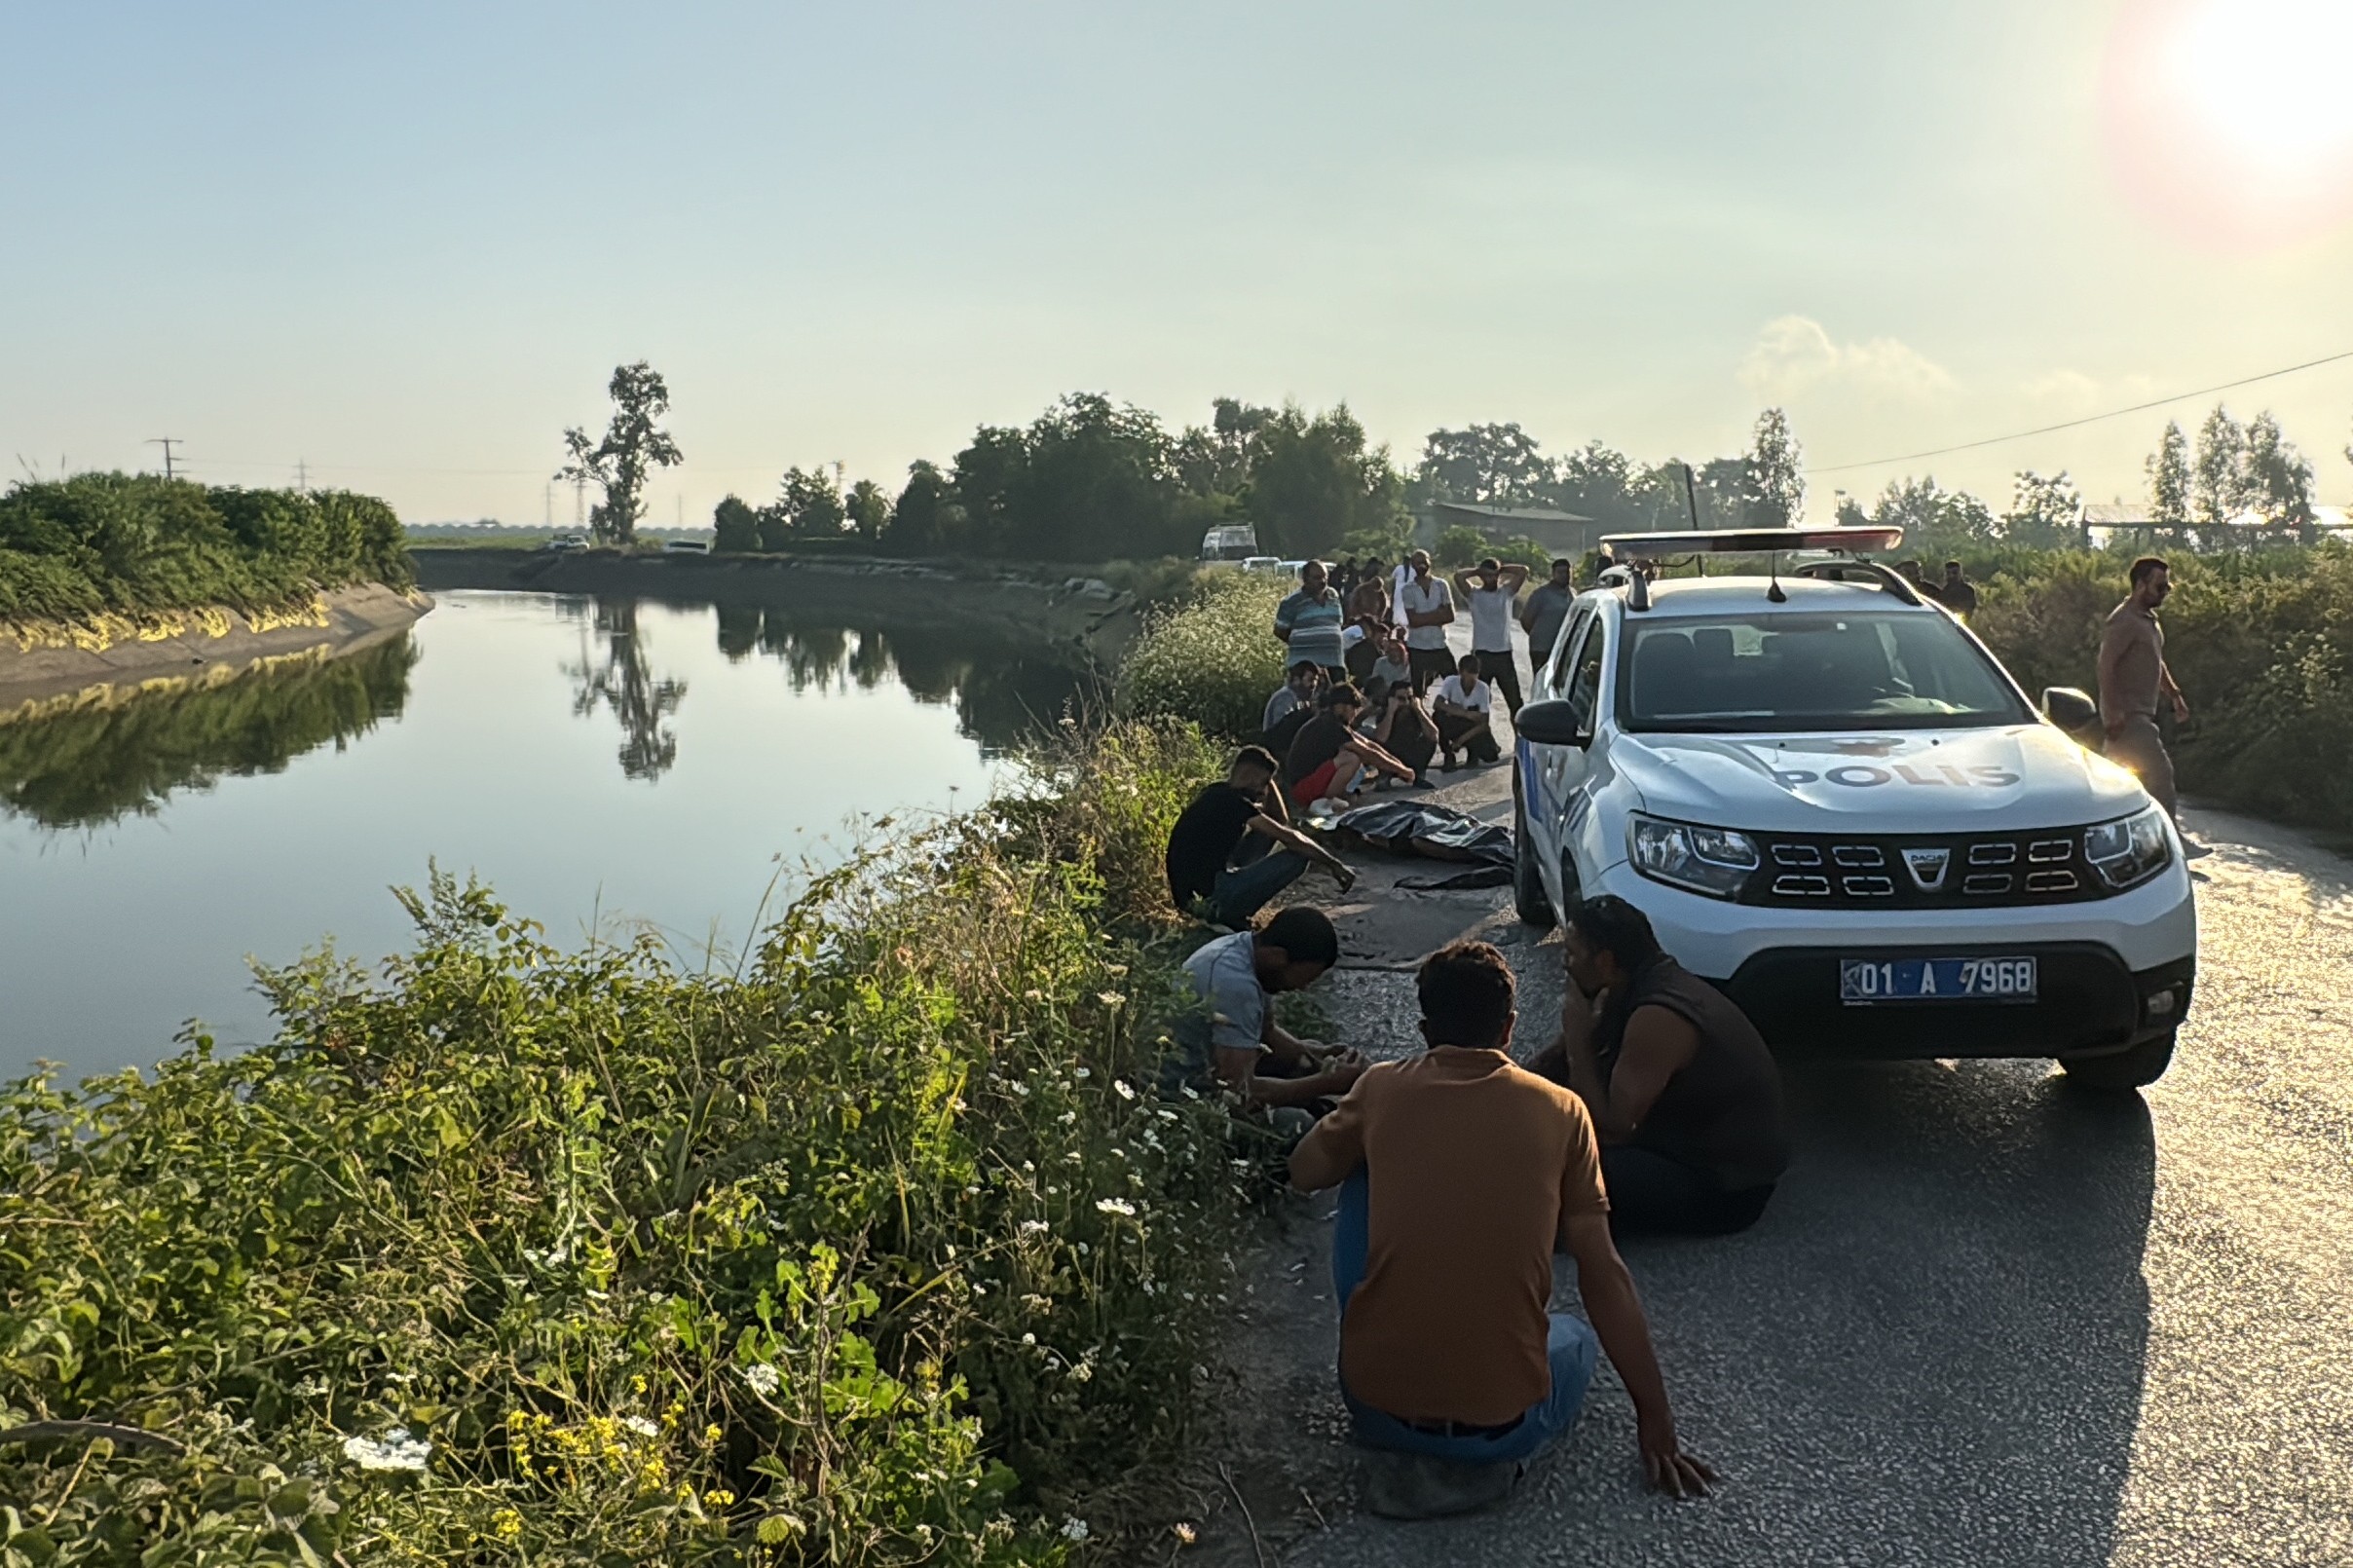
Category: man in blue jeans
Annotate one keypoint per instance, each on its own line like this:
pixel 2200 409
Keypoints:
pixel 1234 849
pixel 1459 1174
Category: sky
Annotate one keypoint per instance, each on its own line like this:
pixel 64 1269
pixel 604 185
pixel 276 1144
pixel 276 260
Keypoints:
pixel 406 245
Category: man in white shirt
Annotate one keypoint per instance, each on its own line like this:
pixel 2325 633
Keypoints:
pixel 1427 610
pixel 1462 708
pixel 1492 592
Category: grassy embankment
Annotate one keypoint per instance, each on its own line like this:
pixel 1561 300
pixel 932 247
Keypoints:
pixel 886 1250
pixel 99 557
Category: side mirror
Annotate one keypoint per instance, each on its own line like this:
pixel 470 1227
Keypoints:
pixel 2071 710
pixel 1551 722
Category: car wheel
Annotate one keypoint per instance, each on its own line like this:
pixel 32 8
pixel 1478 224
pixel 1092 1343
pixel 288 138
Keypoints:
pixel 1527 884
pixel 2134 1069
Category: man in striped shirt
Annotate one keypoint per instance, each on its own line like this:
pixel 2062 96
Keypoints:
pixel 1309 623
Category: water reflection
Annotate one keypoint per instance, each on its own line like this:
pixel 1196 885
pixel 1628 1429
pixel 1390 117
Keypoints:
pixel 1003 691
pixel 620 677
pixel 92 759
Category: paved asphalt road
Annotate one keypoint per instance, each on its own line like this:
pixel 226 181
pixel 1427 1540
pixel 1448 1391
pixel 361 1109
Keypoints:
pixel 1989 1319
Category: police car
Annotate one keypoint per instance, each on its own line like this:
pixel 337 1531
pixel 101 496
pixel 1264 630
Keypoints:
pixel 1835 803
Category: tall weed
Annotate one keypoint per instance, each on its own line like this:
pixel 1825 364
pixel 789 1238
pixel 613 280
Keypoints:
pixel 1212 661
pixel 884 1251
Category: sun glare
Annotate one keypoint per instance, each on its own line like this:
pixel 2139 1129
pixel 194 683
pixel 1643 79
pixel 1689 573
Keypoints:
pixel 2234 118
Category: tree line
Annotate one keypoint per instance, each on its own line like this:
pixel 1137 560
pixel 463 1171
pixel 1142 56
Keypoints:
pixel 1093 479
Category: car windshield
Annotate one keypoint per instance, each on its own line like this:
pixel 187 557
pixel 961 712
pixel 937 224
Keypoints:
pixel 1881 670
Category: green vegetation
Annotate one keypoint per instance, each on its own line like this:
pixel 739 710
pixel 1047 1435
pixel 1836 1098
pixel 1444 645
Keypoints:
pixel 95 762
pixel 624 459
pixel 886 1250
pixel 113 544
pixel 1210 659
pixel 2262 644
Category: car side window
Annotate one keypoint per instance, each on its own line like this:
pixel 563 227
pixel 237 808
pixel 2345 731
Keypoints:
pixel 1555 659
pixel 1584 680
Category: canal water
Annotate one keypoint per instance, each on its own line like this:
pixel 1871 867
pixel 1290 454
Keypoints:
pixel 615 764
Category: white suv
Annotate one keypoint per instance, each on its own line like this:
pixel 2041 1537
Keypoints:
pixel 1835 803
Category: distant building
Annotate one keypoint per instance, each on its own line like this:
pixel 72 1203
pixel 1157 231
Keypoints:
pixel 2108 522
pixel 1563 532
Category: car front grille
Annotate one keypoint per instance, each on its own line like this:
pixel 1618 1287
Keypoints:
pixel 1923 870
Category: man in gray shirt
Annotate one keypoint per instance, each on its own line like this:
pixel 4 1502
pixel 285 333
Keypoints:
pixel 1545 611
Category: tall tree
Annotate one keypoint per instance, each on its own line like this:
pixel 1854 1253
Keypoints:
pixel 634 445
pixel 2169 479
pixel 1935 521
pixel 1489 464
pixel 2219 483
pixel 735 526
pixel 807 506
pixel 868 511
pixel 1776 480
pixel 1315 483
pixel 2046 511
pixel 925 519
pixel 2279 478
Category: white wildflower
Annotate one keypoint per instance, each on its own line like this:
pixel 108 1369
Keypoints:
pixel 1115 1205
pixel 1110 998
pixel 1029 1339
pixel 1120 1087
pixel 641 1426
pixel 763 1379
pixel 1069 1118
pixel 1082 1074
pixel 398 1452
pixel 1083 1372
pixel 1033 1228
pixel 1074 1530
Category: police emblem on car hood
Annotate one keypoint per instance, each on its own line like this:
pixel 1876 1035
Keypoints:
pixel 1927 867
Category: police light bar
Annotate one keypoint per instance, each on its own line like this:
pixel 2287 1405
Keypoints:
pixel 1750 542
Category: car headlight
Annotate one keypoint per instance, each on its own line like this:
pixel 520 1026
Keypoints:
pixel 2131 850
pixel 1715 861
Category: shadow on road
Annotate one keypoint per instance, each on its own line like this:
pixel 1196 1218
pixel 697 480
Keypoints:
pixel 1931 1350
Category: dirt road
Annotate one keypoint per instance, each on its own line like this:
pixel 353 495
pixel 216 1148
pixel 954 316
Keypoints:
pixel 1989 1319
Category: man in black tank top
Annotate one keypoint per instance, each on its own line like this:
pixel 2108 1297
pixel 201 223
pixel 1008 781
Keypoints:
pixel 1682 1089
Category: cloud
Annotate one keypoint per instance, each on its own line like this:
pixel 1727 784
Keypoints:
pixel 1794 353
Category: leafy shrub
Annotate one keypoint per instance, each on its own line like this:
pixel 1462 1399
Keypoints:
pixel 884 1251
pixel 1212 661
pixel 100 542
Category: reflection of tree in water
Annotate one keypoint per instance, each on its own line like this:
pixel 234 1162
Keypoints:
pixel 1004 692
pixel 92 764
pixel 624 682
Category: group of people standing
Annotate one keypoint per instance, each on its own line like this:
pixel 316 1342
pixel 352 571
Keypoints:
pixel 1367 644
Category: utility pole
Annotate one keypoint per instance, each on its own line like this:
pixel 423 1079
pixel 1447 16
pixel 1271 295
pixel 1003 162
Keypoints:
pixel 166 442
pixel 547 507
pixel 302 477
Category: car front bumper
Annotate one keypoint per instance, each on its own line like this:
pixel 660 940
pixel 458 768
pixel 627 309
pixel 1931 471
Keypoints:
pixel 2112 973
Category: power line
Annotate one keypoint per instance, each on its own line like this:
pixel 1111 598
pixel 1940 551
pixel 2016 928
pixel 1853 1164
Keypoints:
pixel 2088 418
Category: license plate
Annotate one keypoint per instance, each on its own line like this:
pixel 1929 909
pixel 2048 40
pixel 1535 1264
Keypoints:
pixel 1866 981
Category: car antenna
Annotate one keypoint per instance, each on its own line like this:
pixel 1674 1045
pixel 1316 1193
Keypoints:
pixel 1773 591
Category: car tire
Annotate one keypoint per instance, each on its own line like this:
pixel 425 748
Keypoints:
pixel 1527 884
pixel 2120 1071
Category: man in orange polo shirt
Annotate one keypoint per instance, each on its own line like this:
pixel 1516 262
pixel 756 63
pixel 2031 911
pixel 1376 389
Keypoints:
pixel 1459 1174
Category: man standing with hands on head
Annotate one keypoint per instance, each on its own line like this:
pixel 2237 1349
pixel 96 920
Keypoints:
pixel 1427 609
pixel 2132 679
pixel 1492 592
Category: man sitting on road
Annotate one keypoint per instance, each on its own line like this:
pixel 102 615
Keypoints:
pixel 1679 1082
pixel 1427 609
pixel 1462 707
pixel 1308 622
pixel 1459 1174
pixel 1234 847
pixel 1492 592
pixel 1393 663
pixel 1298 691
pixel 1329 758
pixel 1231 1032
pixel 1396 720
